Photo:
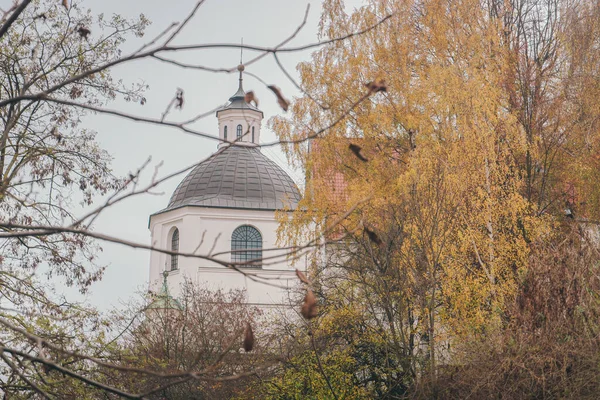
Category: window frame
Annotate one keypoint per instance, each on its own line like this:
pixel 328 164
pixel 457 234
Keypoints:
pixel 252 134
pixel 238 131
pixel 225 133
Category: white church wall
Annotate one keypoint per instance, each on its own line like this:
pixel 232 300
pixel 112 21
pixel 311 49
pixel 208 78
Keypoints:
pixel 208 230
pixel 247 118
pixel 204 230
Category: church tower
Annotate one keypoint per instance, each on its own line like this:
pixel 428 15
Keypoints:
pixel 239 122
pixel 226 207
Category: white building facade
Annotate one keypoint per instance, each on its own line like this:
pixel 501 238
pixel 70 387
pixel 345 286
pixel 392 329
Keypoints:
pixel 225 207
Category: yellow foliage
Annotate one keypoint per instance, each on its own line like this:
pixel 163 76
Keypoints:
pixel 446 144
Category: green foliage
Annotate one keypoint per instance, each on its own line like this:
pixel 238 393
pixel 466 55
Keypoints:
pixel 304 380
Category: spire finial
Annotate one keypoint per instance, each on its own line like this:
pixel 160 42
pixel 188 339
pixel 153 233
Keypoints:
pixel 241 66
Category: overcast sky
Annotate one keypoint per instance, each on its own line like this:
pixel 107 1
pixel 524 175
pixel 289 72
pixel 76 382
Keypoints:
pixel 259 22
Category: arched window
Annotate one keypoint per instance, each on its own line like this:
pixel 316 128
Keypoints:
pixel 239 131
pixel 225 133
pixel 175 247
pixel 252 134
pixel 246 245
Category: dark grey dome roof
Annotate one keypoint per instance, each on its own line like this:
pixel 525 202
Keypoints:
pixel 237 177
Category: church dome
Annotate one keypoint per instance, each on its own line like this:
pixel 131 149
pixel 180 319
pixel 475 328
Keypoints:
pixel 237 177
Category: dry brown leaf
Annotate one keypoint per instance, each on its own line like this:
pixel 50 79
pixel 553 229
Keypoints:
pixel 251 97
pixel 376 86
pixel 65 4
pixel 356 150
pixel 179 99
pixel 282 101
pixel 56 134
pixel 373 236
pixel 248 338
pixel 302 277
pixel 309 308
pixel 83 32
pixel 75 92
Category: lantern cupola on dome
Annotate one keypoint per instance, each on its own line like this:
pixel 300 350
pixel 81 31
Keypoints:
pixel 239 121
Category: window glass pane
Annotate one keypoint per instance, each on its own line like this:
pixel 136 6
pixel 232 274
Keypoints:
pixel 239 131
pixel 225 133
pixel 175 247
pixel 246 245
